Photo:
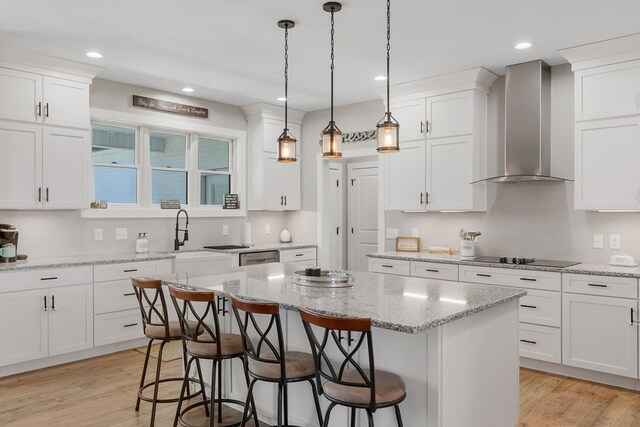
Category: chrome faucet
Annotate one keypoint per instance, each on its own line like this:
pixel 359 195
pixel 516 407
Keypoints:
pixel 177 243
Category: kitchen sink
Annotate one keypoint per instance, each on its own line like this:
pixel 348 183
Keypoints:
pixel 225 247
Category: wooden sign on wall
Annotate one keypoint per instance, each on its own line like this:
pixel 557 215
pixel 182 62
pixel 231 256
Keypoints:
pixel 170 107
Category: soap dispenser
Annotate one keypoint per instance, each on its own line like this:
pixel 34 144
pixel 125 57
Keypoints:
pixel 142 244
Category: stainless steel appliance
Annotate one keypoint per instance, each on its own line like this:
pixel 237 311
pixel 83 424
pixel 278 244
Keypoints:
pixel 525 261
pixel 255 258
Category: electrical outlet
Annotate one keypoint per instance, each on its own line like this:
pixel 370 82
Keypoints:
pixel 121 234
pixel 98 234
pixel 415 232
pixel 267 229
pixel 614 241
pixel 225 230
pixel 392 233
pixel 598 241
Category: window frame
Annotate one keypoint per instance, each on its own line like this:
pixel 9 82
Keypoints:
pixel 147 148
pixel 199 172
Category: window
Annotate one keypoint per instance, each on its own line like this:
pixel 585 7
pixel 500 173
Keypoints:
pixel 115 170
pixel 168 155
pixel 214 165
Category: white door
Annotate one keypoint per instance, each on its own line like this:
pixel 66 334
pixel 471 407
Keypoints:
pixel 273 196
pixel 66 103
pixel 20 166
pixel 411 116
pixel 24 333
pixel 597 334
pixel 21 95
pixel 449 173
pixel 65 170
pixel 450 115
pixel 70 319
pixel 404 177
pixel 607 162
pixel 363 214
pixel 608 91
pixel 336 196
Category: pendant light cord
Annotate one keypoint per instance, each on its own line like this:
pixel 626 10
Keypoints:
pixel 388 56
pixel 332 58
pixel 286 74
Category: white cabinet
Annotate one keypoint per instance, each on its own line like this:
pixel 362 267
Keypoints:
pixel 24 334
pixel 281 191
pixel 607 164
pixel 70 319
pixel 65 103
pixel 404 177
pixel 450 114
pixel 597 334
pixel 21 95
pixel 449 172
pixel 411 115
pixel 20 165
pixel 303 257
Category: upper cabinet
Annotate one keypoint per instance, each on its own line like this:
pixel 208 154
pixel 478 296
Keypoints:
pixel 21 96
pixel 272 186
pixel 607 128
pixel 443 135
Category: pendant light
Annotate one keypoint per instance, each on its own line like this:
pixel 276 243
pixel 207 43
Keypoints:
pixel 286 142
pixel 388 127
pixel 331 135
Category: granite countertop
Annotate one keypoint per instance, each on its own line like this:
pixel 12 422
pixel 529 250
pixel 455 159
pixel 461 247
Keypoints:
pixel 265 247
pixel 82 260
pixel 595 269
pixel 405 304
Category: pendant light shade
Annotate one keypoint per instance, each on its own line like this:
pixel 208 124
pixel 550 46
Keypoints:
pixel 331 135
pixel 388 127
pixel 286 142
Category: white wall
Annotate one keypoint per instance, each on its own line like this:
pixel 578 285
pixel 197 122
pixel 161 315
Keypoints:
pixel 535 220
pixel 49 233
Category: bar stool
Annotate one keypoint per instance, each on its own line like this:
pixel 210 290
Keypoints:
pixel 203 341
pixel 345 382
pixel 158 327
pixel 271 364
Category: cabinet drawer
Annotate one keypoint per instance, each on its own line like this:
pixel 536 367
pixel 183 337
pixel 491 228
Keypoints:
pixel 114 296
pixel 530 279
pixel 540 342
pixel 307 254
pixel 35 279
pixel 542 308
pixel 389 266
pixel 624 287
pixel 117 327
pixel 434 270
pixel 107 272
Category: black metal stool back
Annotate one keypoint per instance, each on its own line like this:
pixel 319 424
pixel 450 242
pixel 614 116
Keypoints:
pixel 153 306
pixel 331 338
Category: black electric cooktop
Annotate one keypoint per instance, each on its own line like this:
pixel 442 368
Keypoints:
pixel 525 261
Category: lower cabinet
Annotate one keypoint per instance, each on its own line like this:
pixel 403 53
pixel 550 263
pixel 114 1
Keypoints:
pixel 303 257
pixel 540 342
pixel 598 334
pixel 70 319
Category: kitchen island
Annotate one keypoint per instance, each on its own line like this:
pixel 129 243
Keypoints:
pixel 454 344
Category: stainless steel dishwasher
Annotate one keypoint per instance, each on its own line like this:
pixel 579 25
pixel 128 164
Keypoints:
pixel 254 258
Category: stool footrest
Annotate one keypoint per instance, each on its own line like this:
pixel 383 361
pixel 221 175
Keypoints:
pixel 208 402
pixel 170 400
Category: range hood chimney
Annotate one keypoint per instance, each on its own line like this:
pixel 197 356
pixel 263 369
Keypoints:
pixel 527 149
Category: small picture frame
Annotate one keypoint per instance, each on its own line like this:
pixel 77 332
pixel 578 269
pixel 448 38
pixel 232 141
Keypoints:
pixel 407 244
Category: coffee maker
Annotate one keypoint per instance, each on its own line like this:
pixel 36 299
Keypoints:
pixel 8 243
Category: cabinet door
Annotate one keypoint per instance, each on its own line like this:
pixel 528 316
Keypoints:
pixel 270 132
pixel 24 333
pixel 21 93
pixel 70 319
pixel 20 165
pixel 273 192
pixel 608 91
pixel 290 185
pixel 607 168
pixel 449 173
pixel 65 168
pixel 66 103
pixel 597 334
pixel 450 114
pixel 404 177
pixel 411 116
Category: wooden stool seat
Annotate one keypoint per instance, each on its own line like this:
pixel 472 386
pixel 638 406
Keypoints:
pixel 159 332
pixel 389 388
pixel 298 365
pixel 230 346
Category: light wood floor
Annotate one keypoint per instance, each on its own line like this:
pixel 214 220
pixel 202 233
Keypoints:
pixel 102 392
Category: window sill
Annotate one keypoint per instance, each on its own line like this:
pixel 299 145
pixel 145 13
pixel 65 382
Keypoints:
pixel 161 213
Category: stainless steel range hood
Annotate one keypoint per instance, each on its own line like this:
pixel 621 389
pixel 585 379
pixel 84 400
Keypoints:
pixel 527 149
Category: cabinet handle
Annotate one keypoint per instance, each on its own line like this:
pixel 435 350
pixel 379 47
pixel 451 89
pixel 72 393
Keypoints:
pixel 46 111
pixel 421 197
pixel 130 294
pixel 285 200
pixel 53 303
pixel 130 270
pixel 528 279
pixel 281 200
pixel 529 341
pixel 39 109
pixel 431 270
pixel 45 302
pixel 421 127
pixel 130 325
pixel 46 197
pixel 427 126
pixel 426 202
pixel 386 266
pixel 597 285
pixel 49 278
pixel 39 194
pixel 483 275
pixel 299 254
pixel 631 316
pixel 528 306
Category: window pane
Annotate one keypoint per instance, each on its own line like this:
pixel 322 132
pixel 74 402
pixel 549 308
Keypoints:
pixel 213 155
pixel 113 145
pixel 168 185
pixel 213 188
pixel 115 185
pixel 167 150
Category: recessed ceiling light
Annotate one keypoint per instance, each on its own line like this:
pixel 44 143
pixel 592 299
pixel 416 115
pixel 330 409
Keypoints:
pixel 188 89
pixel 282 99
pixel 523 45
pixel 94 55
pixel 380 78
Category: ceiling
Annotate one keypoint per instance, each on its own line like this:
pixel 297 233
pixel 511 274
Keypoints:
pixel 232 51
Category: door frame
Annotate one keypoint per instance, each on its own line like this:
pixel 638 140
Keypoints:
pixel 350 168
pixel 323 231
